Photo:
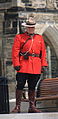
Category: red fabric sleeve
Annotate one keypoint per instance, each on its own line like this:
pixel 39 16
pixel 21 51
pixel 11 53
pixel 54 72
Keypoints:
pixel 16 50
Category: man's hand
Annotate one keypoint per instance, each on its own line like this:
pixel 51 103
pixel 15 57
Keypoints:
pixel 17 68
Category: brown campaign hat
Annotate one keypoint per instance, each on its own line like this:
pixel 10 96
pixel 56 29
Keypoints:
pixel 30 22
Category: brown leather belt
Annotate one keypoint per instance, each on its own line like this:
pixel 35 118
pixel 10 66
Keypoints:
pixel 30 54
pixel 34 55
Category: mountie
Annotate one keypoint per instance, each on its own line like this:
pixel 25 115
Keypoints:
pixel 29 60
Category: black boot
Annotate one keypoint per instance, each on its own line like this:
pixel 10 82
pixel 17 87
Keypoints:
pixel 18 101
pixel 32 108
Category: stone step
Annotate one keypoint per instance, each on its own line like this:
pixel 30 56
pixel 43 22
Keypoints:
pixel 53 115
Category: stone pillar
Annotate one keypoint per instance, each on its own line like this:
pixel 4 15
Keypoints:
pixel 17 26
pixel 49 61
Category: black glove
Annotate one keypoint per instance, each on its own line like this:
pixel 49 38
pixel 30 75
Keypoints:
pixel 17 68
pixel 44 70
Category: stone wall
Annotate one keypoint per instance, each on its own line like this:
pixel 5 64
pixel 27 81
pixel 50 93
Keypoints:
pixel 43 19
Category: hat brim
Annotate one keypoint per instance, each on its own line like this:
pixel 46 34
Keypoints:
pixel 24 24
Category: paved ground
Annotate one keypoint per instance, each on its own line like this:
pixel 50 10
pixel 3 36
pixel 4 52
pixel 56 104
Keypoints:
pixel 24 106
pixel 30 116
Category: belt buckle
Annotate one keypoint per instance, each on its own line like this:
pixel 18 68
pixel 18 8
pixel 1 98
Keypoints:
pixel 32 54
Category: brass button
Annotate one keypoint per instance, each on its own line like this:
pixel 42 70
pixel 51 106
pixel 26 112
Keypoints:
pixel 33 51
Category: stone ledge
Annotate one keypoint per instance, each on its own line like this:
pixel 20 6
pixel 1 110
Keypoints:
pixel 53 115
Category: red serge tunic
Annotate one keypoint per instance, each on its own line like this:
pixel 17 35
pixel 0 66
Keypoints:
pixel 34 64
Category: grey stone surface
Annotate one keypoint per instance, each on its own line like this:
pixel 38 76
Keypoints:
pixel 30 116
pixel 23 108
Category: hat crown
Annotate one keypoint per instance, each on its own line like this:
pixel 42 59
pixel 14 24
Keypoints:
pixel 30 21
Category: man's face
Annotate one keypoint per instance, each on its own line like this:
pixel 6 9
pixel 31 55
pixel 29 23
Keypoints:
pixel 30 30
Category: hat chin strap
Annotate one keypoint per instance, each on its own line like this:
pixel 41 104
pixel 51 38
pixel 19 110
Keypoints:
pixel 31 34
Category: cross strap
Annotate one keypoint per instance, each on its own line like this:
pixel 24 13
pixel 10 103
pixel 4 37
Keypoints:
pixel 24 43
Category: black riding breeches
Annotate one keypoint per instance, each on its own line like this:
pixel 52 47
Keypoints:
pixel 31 79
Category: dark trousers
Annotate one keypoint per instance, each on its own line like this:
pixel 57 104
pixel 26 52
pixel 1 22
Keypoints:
pixel 31 79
